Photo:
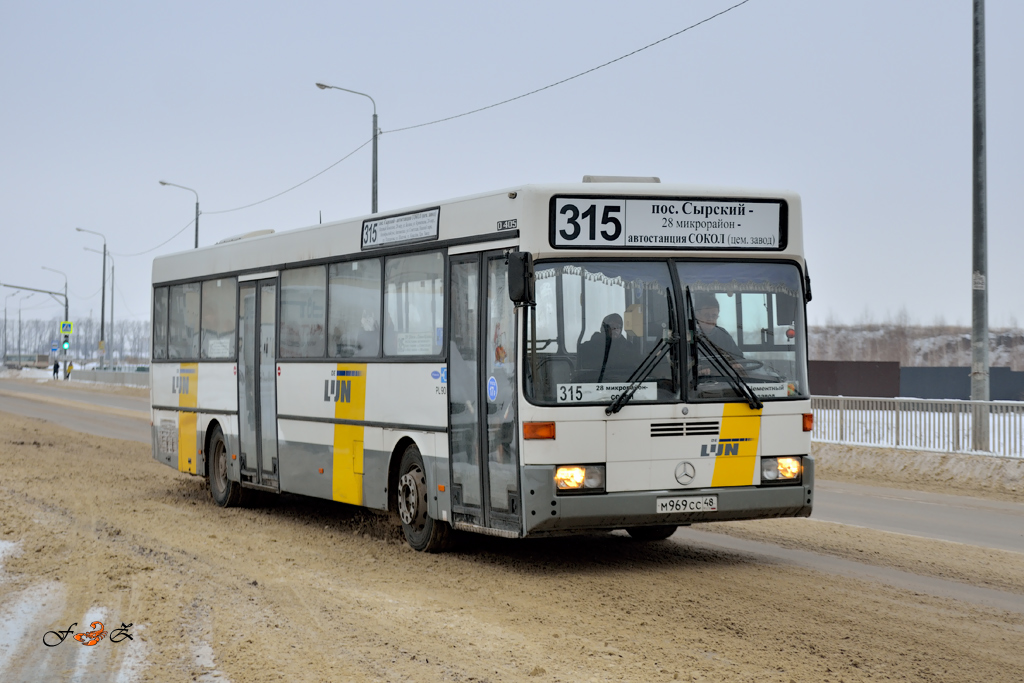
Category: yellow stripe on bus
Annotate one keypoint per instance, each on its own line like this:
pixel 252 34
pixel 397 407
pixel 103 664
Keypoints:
pixel 347 479
pixel 188 395
pixel 741 427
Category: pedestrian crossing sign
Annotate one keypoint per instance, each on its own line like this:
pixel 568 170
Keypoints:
pixel 67 327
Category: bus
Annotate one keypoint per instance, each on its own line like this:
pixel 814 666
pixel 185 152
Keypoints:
pixel 540 360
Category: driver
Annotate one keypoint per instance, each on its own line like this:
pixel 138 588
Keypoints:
pixel 706 310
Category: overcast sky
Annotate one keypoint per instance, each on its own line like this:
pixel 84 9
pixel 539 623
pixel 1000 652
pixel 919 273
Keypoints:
pixel 864 108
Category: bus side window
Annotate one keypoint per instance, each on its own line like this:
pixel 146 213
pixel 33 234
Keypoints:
pixel 303 312
pixel 218 329
pixel 160 323
pixel 354 305
pixel 183 330
pixel 414 305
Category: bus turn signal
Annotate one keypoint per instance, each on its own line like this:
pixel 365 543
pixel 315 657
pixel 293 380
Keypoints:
pixel 538 430
pixel 808 422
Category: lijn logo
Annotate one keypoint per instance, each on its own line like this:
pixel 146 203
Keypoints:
pixel 338 390
pixel 723 447
pixel 179 385
pixel 88 638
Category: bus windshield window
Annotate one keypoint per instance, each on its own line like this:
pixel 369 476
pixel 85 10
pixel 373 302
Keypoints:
pixel 749 315
pixel 596 322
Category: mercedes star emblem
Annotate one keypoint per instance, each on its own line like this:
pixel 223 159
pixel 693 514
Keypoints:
pixel 685 473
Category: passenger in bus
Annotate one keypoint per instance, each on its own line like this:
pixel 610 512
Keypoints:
pixel 608 353
pixel 706 308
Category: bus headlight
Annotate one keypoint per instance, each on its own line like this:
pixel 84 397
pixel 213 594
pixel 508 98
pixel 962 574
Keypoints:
pixel 582 478
pixel 779 470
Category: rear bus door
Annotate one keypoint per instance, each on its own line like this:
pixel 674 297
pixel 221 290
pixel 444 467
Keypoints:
pixel 257 383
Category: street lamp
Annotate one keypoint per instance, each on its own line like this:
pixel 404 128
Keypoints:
pixel 322 86
pixel 54 270
pixel 112 333
pixel 16 293
pixel 20 302
pixel 103 295
pixel 164 182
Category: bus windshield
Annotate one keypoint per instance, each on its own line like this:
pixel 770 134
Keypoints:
pixel 751 318
pixel 595 324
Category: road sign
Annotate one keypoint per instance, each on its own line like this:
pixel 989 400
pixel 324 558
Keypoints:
pixel 67 327
pixel 103 345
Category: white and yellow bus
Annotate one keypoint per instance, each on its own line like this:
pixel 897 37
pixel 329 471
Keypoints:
pixel 612 354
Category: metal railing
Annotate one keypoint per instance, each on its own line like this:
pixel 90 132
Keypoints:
pixel 990 427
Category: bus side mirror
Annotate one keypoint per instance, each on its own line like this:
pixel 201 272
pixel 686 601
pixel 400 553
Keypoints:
pixel 521 288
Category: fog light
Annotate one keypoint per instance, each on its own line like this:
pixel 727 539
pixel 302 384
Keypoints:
pixel 568 478
pixel 769 469
pixel 594 478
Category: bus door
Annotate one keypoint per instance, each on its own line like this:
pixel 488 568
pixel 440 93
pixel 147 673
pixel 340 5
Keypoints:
pixel 257 381
pixel 483 449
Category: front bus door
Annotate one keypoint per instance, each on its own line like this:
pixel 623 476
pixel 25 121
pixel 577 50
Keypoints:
pixel 482 395
pixel 257 381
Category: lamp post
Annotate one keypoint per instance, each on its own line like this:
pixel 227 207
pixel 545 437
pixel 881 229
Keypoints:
pixel 103 295
pixel 164 182
pixel 323 86
pixel 20 302
pixel 54 270
pixel 5 322
pixel 113 334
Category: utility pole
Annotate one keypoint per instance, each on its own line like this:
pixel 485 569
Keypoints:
pixel 979 260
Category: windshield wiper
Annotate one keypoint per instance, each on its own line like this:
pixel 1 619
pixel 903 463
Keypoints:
pixel 642 372
pixel 717 357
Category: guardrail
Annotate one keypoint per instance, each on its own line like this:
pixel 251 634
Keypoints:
pixel 990 427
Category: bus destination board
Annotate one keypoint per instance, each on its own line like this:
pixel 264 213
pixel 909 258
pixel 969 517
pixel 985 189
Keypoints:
pixel 420 226
pixel 667 223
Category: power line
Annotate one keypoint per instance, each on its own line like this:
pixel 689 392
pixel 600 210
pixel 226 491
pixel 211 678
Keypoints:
pixel 239 208
pixel 570 78
pixel 140 253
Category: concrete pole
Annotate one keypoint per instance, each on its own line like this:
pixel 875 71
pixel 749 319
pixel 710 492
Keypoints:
pixel 374 203
pixel 979 261
pixel 103 305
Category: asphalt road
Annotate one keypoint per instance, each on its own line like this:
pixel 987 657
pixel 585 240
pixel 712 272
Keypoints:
pixel 961 519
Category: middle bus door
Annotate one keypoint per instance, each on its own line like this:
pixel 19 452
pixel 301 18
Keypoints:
pixel 483 449
pixel 257 383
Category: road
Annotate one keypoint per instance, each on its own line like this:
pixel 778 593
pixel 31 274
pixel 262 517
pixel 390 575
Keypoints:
pixel 960 519
pixel 294 588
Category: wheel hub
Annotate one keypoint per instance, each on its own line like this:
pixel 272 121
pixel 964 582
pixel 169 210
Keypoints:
pixel 410 496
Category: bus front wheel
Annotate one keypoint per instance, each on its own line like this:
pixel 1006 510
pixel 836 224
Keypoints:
pixel 225 493
pixel 652 533
pixel 421 531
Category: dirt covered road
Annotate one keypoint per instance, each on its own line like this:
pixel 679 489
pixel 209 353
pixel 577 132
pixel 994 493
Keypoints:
pixel 293 589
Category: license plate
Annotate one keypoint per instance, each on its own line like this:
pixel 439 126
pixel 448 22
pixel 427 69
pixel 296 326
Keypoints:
pixel 687 504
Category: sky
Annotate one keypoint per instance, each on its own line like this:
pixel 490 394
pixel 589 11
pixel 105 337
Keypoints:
pixel 864 108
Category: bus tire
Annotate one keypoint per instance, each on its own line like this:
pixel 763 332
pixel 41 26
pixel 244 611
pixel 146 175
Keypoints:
pixel 421 531
pixel 225 493
pixel 651 533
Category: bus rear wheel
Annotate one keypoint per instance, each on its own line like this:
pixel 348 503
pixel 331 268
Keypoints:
pixel 422 532
pixel 225 493
pixel 651 533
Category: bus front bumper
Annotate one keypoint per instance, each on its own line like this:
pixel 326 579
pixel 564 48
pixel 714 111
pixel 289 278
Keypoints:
pixel 545 511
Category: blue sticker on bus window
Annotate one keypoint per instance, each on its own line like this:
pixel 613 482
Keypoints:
pixel 435 374
pixel 439 334
pixel 492 388
pixel 444 375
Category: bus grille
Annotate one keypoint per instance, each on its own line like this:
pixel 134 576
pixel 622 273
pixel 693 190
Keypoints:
pixel 684 428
